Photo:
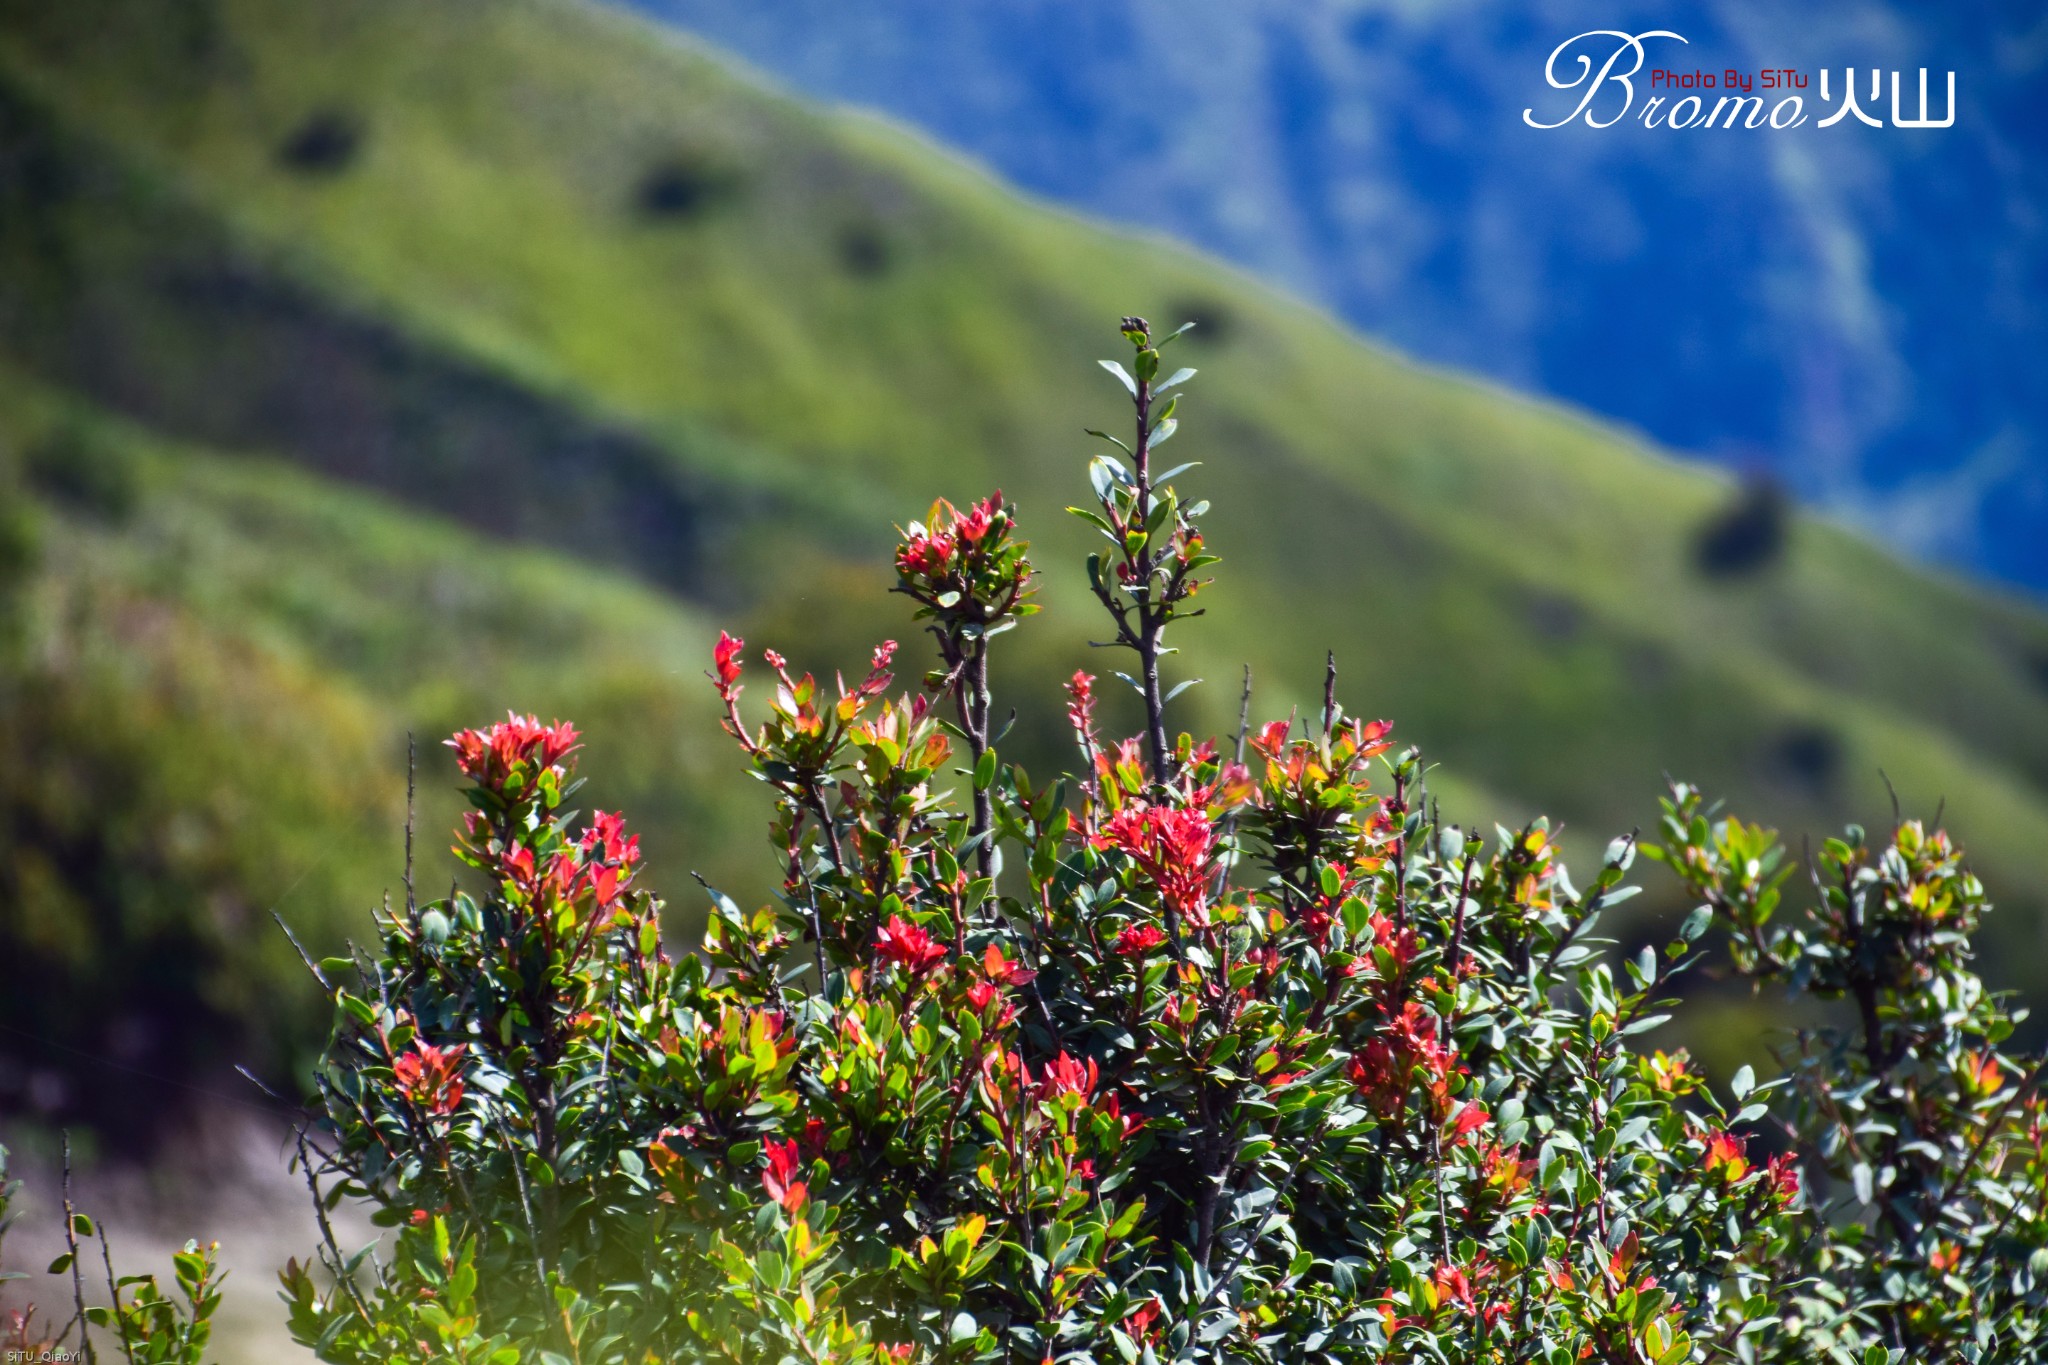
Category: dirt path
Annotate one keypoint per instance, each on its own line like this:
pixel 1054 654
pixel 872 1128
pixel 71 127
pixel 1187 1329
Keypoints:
pixel 249 1203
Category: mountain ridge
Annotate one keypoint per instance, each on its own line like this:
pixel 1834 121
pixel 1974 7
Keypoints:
pixel 1801 307
pixel 802 322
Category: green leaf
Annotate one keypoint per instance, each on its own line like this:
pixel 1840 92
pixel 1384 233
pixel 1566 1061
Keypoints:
pixel 358 1009
pixel 1120 445
pixel 1696 923
pixel 1094 519
pixel 1105 475
pixel 1123 375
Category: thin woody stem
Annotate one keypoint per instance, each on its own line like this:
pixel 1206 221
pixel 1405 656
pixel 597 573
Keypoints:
pixel 1151 613
pixel 974 709
pixel 77 1273
pixel 1229 861
pixel 1329 693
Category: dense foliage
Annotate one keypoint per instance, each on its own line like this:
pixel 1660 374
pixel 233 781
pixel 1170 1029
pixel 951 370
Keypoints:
pixel 1216 1050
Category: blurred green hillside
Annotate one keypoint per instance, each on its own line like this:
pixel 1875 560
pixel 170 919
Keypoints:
pixel 373 366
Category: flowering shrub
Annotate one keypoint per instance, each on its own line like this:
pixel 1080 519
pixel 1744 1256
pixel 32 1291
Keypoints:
pixel 1215 1050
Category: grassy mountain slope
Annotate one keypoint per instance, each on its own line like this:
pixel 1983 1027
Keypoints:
pixel 210 681
pixel 533 267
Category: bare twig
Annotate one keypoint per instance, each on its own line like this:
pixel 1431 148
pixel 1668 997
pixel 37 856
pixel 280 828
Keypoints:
pixel 1244 722
pixel 1230 1268
pixel 1329 693
pixel 1244 712
pixel 77 1272
pixel 304 956
pixel 412 904
pixel 114 1294
pixel 540 1269
pixel 327 1238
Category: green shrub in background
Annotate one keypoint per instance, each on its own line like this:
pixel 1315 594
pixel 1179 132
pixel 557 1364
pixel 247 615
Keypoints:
pixel 83 469
pixel 1213 1050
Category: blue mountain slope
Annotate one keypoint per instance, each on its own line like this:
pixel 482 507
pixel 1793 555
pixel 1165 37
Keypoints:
pixel 1856 312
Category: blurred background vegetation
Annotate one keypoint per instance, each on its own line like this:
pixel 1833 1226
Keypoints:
pixel 370 367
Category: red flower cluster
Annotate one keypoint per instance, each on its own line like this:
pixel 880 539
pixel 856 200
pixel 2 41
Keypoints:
pixel 1783 1173
pixel 1461 1289
pixel 905 944
pixel 1727 1158
pixel 1137 940
pixel 607 832
pixel 1002 971
pixel 998 972
pixel 929 551
pixel 1401 944
pixel 924 554
pixel 1406 1053
pixel 972 527
pixel 1066 1075
pixel 567 876
pixel 1081 709
pixel 1143 1325
pixel 1174 846
pixel 982 994
pixel 785 1164
pixel 1503 1173
pixel 488 757
pixel 1980 1074
pixel 725 660
pixel 431 1077
pixel 1127 1124
pixel 1726 1161
pixel 1006 1077
pixel 1471 1117
pixel 1623 1262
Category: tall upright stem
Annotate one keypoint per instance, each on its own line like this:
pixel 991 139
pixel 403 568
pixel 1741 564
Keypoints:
pixel 1151 614
pixel 974 708
pixel 77 1273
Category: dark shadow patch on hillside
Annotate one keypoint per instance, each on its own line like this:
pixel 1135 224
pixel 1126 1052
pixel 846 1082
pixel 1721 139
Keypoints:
pixel 1555 618
pixel 78 468
pixel 864 252
pixel 684 186
pixel 2037 667
pixel 326 142
pixel 1214 322
pixel 1805 757
pixel 112 287
pixel 1746 537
